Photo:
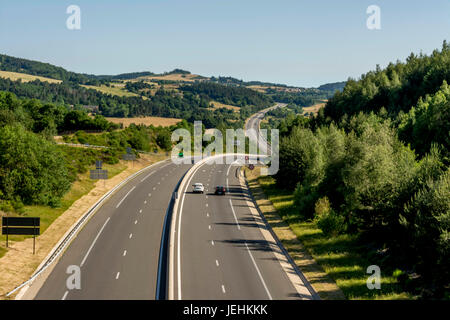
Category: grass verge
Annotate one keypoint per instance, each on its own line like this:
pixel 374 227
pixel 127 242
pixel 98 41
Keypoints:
pixel 18 263
pixel 343 258
pixel 48 214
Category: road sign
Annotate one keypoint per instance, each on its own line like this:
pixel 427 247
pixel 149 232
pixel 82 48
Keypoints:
pixel 21 226
pixel 251 167
pixel 98 164
pixel 99 174
pixel 129 157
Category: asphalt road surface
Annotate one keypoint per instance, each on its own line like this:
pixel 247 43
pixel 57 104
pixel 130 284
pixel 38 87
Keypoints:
pixel 223 248
pixel 220 250
pixel 254 123
pixel 118 249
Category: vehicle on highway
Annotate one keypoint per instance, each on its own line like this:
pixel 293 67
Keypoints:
pixel 220 190
pixel 198 188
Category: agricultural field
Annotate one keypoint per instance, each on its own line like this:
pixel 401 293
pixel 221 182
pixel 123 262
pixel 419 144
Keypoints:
pixel 14 76
pixel 115 90
pixel 155 121
pixel 218 105
pixel 315 108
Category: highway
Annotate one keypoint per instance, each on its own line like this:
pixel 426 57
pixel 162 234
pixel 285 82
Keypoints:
pixel 223 249
pixel 118 249
pixel 254 123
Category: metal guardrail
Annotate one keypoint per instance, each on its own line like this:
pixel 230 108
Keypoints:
pixel 66 239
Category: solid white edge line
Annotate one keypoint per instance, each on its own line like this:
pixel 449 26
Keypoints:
pixel 145 178
pixel 118 205
pixel 65 295
pixel 179 231
pixel 93 243
pixel 259 272
pixel 178 207
pixel 234 214
pixel 68 237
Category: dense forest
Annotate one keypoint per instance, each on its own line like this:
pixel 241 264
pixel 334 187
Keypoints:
pixel 34 170
pixel 164 103
pixel 238 96
pixel 375 163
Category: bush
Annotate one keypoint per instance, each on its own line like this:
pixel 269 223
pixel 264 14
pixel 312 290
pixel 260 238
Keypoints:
pixel 305 198
pixel 331 223
pixel 301 159
pixel 164 141
pixel 32 169
pixel 427 220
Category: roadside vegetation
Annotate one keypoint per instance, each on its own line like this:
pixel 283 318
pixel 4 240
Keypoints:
pixel 35 171
pixel 371 171
pixel 343 257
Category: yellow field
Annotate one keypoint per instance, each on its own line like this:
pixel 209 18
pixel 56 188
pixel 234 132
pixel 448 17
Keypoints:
pixel 261 89
pixel 25 77
pixel 172 77
pixel 218 105
pixel 315 108
pixel 155 121
pixel 116 90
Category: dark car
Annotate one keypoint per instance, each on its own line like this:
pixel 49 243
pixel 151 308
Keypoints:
pixel 220 190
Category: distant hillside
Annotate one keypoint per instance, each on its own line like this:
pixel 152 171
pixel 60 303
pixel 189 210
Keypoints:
pixel 335 86
pixel 36 68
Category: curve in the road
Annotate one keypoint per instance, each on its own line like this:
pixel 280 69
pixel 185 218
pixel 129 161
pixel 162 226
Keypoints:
pixel 221 249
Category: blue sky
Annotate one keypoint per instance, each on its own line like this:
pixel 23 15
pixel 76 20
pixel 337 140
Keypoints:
pixel 296 42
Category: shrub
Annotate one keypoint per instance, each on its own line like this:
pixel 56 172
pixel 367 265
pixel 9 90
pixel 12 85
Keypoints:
pixel 327 219
pixel 305 198
pixel 32 169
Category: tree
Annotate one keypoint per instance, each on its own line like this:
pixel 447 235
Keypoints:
pixel 32 169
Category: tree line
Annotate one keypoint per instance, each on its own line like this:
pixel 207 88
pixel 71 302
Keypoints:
pixel 375 163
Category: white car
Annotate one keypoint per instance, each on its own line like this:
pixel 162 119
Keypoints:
pixel 198 188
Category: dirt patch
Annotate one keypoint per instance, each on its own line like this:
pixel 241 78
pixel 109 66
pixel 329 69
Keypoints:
pixel 320 281
pixel 18 264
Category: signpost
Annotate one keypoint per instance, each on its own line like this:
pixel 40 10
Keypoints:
pixel 129 156
pixel 98 173
pixel 21 226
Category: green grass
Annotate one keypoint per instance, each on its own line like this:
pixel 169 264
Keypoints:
pixel 115 91
pixel 48 214
pixel 343 257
